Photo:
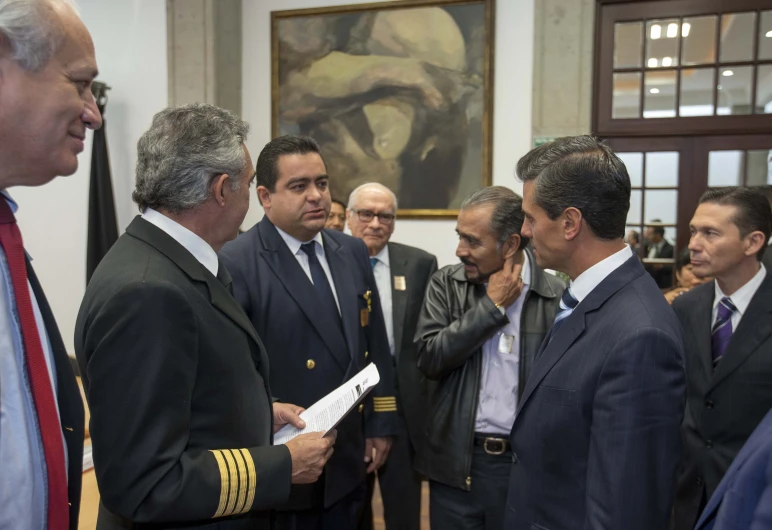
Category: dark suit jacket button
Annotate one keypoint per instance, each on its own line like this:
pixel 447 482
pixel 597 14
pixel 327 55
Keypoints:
pixel 699 481
pixel 708 404
pixel 514 458
pixel 708 444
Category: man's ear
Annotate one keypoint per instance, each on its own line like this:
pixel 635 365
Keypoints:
pixel 754 242
pixel 510 246
pixel 572 223
pixel 264 196
pixel 218 185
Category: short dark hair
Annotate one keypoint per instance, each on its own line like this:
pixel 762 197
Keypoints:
pixel 753 210
pixel 580 172
pixel 636 235
pixel 267 169
pixel 507 217
pixel 683 259
pixel 340 203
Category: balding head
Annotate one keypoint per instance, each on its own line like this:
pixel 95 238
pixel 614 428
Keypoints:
pixel 372 209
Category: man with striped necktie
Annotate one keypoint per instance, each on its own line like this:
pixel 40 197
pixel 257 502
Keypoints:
pixel 727 327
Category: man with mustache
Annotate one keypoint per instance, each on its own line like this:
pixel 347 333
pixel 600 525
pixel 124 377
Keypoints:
pixel 311 295
pixel 480 328
pixel 402 274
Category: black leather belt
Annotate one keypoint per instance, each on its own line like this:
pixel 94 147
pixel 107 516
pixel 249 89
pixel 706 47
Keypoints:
pixel 492 444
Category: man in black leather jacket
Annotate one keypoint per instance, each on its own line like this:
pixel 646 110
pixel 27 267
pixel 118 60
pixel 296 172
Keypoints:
pixel 481 325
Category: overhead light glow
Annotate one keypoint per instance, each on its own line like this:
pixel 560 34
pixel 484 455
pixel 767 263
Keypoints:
pixel 654 91
pixel 685 29
pixel 656 31
pixel 672 30
pixel 652 62
pixel 667 61
pixel 768 34
pixel 727 73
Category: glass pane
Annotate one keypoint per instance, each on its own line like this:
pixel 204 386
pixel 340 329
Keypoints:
pixel 725 168
pixel 765 35
pixel 696 92
pixel 634 164
pixel 662 170
pixel 634 213
pixel 659 94
pixel 764 89
pixel 627 45
pixel 662 43
pixel 698 45
pixel 627 96
pixel 670 235
pixel 661 204
pixel 759 167
pixel 734 90
pixel 737 31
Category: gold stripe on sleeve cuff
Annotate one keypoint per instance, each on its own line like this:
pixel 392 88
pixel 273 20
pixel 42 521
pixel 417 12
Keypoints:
pixel 242 481
pixel 252 479
pixel 224 482
pixel 385 404
pixel 234 482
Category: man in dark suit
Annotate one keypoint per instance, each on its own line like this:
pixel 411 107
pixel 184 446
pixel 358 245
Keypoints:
pixel 767 259
pixel 312 297
pixel 596 442
pixel 657 247
pixel 743 498
pixel 402 274
pixel 176 378
pixel 480 329
pixel 45 108
pixel 727 327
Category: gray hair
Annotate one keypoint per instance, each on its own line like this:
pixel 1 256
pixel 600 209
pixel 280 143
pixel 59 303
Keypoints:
pixel 32 29
pixel 507 218
pixel 374 185
pixel 183 151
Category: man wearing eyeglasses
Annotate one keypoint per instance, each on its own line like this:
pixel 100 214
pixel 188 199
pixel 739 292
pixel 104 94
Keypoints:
pixel 402 274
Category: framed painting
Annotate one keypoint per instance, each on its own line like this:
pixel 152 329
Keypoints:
pixel 399 93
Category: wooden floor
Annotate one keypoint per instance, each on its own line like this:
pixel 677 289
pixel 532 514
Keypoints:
pixel 90 503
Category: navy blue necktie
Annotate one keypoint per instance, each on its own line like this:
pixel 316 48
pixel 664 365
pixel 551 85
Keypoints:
pixel 373 262
pixel 567 304
pixel 319 278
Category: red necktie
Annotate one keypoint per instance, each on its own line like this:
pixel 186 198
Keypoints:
pixel 42 392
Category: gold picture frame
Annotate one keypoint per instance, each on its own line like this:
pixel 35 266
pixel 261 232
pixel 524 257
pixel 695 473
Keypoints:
pixel 394 92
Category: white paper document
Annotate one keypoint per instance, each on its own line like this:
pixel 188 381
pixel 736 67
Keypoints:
pixel 325 414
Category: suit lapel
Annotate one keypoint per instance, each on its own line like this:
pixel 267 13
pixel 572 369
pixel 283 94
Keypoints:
pixel 755 327
pixel 340 267
pixel 291 275
pixel 700 315
pixel 398 267
pixel 554 347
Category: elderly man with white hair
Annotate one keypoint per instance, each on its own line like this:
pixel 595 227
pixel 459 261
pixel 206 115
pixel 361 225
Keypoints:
pixel 47 65
pixel 401 274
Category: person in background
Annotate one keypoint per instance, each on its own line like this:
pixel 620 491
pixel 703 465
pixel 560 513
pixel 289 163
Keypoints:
pixel 634 240
pixel 337 218
pixel 47 66
pixel 685 277
pixel 402 274
pixel 657 247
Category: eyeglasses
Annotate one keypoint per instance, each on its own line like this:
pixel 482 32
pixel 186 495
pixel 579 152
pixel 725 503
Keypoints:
pixel 366 216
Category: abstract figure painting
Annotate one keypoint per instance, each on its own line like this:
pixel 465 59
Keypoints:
pixel 398 93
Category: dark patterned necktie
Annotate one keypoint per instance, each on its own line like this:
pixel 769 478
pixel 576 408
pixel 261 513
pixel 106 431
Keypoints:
pixel 722 329
pixel 321 283
pixel 567 304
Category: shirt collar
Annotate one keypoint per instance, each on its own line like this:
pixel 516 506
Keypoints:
pixel 383 256
pixel 742 297
pixel 294 244
pixel 525 274
pixel 200 249
pixel 583 285
pixel 14 207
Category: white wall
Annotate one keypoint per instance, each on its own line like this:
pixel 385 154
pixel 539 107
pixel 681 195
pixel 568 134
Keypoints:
pixel 130 41
pixel 513 74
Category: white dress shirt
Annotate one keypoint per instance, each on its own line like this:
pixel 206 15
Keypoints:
pixel 584 284
pixel 382 272
pixel 200 249
pixel 294 247
pixel 741 298
pixel 500 376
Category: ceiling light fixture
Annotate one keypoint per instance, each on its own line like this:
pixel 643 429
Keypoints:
pixel 768 34
pixel 667 61
pixel 654 91
pixel 656 31
pixel 652 62
pixel 727 73
pixel 672 30
pixel 685 29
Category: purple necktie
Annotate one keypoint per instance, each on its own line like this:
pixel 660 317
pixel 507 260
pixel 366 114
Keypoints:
pixel 722 329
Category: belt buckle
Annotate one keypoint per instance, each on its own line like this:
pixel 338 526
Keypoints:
pixel 502 446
